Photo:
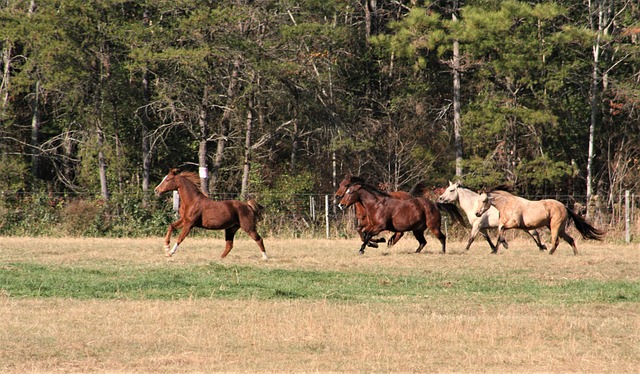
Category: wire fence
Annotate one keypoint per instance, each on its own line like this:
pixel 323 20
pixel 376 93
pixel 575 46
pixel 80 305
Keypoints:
pixel 302 215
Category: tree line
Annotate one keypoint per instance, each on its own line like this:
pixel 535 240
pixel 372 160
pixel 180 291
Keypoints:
pixel 266 97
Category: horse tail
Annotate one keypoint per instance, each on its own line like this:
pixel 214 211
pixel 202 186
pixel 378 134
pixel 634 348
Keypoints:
pixel 257 208
pixel 586 230
pixel 453 211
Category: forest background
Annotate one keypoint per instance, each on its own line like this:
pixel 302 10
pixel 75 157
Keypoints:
pixel 278 99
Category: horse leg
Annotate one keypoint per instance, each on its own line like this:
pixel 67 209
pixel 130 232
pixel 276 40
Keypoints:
pixel 186 228
pixel 365 241
pixel 419 235
pixel 229 234
pixel 394 239
pixel 488 238
pixel 167 238
pixel 474 232
pixel 441 237
pixel 536 238
pixel 256 237
pixel 501 240
pixel 571 242
pixel 555 240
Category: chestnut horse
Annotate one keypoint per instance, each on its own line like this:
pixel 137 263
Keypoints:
pixel 387 213
pixel 519 213
pixel 197 210
pixel 361 212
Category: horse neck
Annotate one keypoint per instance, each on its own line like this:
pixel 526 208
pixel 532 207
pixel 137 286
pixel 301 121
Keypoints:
pixel 499 200
pixel 367 198
pixel 188 191
pixel 466 199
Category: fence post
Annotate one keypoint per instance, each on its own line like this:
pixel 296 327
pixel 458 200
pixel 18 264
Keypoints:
pixel 326 213
pixel 312 208
pixel 627 236
pixel 176 201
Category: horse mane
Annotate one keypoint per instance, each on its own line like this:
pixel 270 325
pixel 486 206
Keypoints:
pixel 418 189
pixel 357 180
pixel 191 177
pixel 502 188
pixel 368 186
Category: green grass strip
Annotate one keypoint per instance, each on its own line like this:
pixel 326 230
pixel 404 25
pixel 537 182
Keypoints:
pixel 218 281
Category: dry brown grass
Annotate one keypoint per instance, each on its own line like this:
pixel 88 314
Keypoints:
pixel 60 335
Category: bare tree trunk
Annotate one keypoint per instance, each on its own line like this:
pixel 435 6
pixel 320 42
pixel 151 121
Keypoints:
pixel 225 124
pixel 35 132
pixel 594 94
pixel 457 125
pixel 6 74
pixel 35 119
pixel 294 144
pixel 146 144
pixel 102 165
pixel 202 148
pixel 247 154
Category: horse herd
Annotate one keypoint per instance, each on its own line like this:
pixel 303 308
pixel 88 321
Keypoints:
pixel 378 211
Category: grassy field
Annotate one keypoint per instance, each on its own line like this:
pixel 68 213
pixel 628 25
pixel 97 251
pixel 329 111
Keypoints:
pixel 118 305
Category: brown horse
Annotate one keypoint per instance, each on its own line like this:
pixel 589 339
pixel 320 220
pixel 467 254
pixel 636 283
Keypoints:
pixel 387 213
pixel 196 210
pixel 361 211
pixel 519 213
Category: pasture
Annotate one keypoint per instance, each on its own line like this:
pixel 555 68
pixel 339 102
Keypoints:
pixel 119 305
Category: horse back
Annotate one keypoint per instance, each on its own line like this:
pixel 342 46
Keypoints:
pixel 226 213
pixel 412 214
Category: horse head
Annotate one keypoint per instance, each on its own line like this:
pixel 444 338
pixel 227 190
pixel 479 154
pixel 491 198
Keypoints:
pixel 168 183
pixel 347 182
pixel 450 194
pixel 350 196
pixel 482 204
pixel 342 187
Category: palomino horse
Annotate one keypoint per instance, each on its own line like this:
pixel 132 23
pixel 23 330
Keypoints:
pixel 519 213
pixel 196 210
pixel 467 200
pixel 361 212
pixel 387 213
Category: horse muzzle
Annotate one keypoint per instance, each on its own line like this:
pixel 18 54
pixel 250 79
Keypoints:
pixel 341 206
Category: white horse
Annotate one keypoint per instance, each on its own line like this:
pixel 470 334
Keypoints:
pixel 468 201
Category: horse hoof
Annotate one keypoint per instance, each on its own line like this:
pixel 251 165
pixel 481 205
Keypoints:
pixel 373 245
pixel 543 248
pixel 361 252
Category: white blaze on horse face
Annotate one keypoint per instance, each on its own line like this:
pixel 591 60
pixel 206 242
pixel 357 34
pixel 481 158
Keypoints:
pixel 341 205
pixel 160 184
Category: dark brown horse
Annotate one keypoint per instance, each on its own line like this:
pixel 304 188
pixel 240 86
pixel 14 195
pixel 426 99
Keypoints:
pixel 387 213
pixel 196 210
pixel 361 211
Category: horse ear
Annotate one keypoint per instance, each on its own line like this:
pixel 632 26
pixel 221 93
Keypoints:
pixel 173 171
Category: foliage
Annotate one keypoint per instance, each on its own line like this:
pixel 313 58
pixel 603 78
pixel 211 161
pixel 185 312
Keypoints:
pixel 120 91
